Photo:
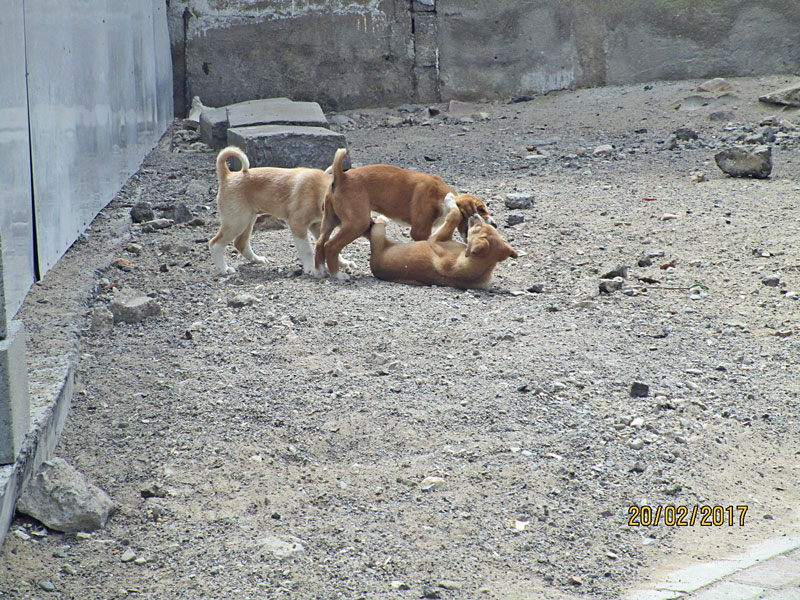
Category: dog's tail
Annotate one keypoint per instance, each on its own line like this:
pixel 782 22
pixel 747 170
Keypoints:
pixel 336 167
pixel 224 155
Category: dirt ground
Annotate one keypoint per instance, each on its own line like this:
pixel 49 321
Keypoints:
pixel 375 440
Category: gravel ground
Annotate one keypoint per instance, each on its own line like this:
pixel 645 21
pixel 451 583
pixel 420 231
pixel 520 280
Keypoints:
pixel 374 440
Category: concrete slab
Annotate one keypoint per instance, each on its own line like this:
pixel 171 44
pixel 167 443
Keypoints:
pixel 786 594
pixel 287 146
pixel 727 590
pixel 774 573
pixel 654 595
pixel 276 111
pixel 50 384
pixel 214 127
pixel 695 577
pixel 14 403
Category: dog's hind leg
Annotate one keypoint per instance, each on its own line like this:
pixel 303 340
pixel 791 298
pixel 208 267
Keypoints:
pixel 230 229
pixel 329 222
pixel 242 244
pixel 303 246
pixel 348 232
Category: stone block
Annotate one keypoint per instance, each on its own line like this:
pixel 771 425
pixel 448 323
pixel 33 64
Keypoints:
pixel 276 111
pixel 287 146
pixel 214 127
pixel 728 590
pixel 15 411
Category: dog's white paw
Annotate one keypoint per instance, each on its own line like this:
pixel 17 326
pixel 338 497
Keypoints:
pixel 347 264
pixel 342 276
pixel 227 270
pixel 261 260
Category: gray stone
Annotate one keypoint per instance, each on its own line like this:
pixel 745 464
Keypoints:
pixel 647 258
pixel 718 84
pixel 739 161
pixel 156 224
pixel 519 200
pixel 341 121
pixel 128 556
pixel 61 497
pixel 181 213
pixel 722 115
pixel 288 146
pixel 685 134
pixel 280 547
pixel 47 586
pixel 515 217
pixel 214 127
pixel 102 320
pixel 197 188
pixel 604 150
pixel 537 288
pixel 639 390
pixel 618 271
pixel 134 309
pixel 141 212
pixel 275 111
pixel 789 96
pixel 242 300
pixel 771 280
pixel 609 286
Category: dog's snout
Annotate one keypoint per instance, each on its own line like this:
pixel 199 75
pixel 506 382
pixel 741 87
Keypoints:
pixel 473 219
pixel 491 222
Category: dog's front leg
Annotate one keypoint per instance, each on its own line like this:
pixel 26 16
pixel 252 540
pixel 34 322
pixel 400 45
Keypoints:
pixel 445 232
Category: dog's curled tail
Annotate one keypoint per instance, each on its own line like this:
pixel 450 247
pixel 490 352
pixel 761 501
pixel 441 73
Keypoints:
pixel 224 155
pixel 336 167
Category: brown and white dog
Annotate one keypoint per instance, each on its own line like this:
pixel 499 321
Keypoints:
pixel 409 197
pixel 293 195
pixel 440 260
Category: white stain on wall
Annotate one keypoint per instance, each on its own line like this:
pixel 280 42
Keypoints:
pixel 206 15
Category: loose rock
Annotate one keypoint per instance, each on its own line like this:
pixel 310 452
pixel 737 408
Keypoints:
pixel 134 310
pixel 743 162
pixel 61 497
pixel 519 200
pixel 141 212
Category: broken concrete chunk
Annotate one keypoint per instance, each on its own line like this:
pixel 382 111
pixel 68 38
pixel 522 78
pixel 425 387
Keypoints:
pixel 718 84
pixel 288 146
pixel 276 111
pixel 740 161
pixel 789 96
pixel 214 127
pixel 63 499
pixel 134 310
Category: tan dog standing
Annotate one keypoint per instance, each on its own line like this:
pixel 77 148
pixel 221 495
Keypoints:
pixel 440 260
pixel 293 195
pixel 416 199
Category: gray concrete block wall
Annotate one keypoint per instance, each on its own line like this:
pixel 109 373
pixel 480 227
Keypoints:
pixel 15 410
pixel 380 52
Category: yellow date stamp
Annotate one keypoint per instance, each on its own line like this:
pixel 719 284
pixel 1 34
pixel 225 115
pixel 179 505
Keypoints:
pixel 686 516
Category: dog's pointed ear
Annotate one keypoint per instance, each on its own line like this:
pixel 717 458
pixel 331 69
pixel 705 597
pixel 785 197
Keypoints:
pixel 477 247
pixel 511 252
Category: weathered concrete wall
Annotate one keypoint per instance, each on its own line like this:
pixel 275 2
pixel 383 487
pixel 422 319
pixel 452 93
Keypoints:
pixel 371 52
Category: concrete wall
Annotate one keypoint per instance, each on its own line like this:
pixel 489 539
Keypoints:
pixel 85 93
pixel 372 52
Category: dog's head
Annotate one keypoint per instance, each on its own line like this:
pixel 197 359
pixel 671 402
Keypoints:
pixel 470 205
pixel 483 241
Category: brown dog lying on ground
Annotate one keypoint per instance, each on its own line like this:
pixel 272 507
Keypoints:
pixel 416 199
pixel 440 260
pixel 293 195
